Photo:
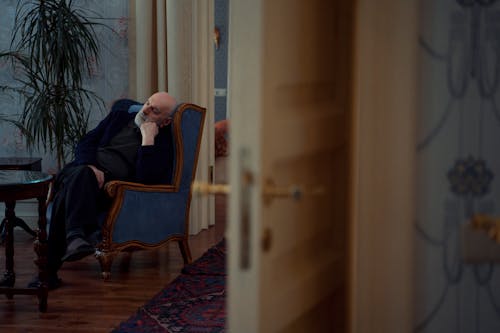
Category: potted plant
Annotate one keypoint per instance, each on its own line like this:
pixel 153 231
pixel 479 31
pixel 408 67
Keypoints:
pixel 53 46
pixel 7 119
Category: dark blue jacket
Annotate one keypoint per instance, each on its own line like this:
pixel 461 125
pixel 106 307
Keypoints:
pixel 154 163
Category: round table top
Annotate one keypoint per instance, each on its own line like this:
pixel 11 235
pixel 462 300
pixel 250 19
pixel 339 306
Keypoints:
pixel 22 177
pixel 6 161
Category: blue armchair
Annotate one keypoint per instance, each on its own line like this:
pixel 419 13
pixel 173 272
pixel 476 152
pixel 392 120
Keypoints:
pixel 149 216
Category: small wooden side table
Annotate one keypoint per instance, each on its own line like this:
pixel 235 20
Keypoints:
pixel 21 185
pixel 19 163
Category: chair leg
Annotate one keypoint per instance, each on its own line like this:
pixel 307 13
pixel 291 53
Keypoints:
pixel 185 251
pixel 105 260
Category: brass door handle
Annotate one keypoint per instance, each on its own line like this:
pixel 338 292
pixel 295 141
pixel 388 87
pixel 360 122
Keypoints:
pixel 292 191
pixel 206 188
pixel 271 191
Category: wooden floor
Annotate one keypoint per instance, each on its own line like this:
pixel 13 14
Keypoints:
pixel 85 303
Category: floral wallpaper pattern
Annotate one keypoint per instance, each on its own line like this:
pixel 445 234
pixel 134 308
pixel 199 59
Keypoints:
pixel 109 78
pixel 470 177
pixel 458 163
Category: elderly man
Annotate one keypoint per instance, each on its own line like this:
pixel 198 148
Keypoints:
pixel 131 146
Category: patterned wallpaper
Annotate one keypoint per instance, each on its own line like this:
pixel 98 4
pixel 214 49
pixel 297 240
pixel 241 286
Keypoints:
pixel 457 153
pixel 109 79
pixel 458 163
pixel 221 19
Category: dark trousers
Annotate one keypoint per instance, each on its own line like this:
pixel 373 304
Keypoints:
pixel 77 203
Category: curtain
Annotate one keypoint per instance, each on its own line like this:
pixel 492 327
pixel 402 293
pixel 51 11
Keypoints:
pixel 203 208
pixel 190 70
pixel 147 48
pixel 191 79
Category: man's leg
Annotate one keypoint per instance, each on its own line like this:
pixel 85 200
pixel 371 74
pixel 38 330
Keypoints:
pixel 81 200
pixel 81 208
pixel 56 239
pixel 73 210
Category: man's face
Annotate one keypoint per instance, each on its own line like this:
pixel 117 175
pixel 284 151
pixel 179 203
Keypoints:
pixel 154 111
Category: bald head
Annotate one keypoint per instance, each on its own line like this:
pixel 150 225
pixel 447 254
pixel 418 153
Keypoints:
pixel 164 101
pixel 158 108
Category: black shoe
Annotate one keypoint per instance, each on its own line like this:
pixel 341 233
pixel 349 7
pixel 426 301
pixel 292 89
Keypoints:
pixel 53 282
pixel 78 249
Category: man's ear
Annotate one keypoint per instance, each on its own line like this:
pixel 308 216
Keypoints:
pixel 165 122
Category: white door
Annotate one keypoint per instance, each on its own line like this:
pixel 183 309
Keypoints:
pixel 290 92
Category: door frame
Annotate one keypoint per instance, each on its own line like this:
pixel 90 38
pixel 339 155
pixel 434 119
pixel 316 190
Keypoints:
pixel 382 195
pixel 384 163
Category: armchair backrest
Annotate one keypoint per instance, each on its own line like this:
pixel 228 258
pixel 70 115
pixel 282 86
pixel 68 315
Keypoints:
pixel 170 216
pixel 187 130
pixel 148 216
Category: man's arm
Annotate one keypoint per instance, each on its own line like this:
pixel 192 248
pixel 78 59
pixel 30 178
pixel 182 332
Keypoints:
pixel 154 162
pixel 86 150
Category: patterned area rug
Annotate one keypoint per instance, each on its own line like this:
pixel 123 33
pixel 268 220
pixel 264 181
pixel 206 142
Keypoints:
pixel 193 302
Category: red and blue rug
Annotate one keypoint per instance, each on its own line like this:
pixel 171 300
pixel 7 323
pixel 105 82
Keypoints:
pixel 194 302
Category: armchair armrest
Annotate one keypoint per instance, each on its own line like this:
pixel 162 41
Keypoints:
pixel 113 187
pixel 144 212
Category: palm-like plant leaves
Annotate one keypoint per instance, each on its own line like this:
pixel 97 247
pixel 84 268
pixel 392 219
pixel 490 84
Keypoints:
pixel 54 46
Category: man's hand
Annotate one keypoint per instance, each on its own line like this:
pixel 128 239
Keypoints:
pixel 149 130
pixel 99 175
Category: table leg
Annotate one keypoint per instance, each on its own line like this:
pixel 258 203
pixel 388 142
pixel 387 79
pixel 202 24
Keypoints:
pixel 40 246
pixel 9 277
pixel 15 222
pixel 20 223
